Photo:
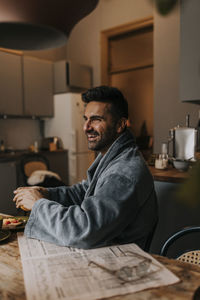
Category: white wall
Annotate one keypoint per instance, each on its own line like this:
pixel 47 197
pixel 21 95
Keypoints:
pixel 84 41
pixel 84 46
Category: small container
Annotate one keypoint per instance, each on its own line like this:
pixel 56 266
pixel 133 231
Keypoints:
pixel 52 147
pixel 181 165
pixel 161 161
pixel 36 146
pixel 164 148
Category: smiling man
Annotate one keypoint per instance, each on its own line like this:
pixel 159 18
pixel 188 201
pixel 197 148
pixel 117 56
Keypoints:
pixel 116 204
pixel 101 127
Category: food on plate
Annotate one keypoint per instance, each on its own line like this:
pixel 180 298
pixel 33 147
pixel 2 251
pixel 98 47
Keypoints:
pixel 11 222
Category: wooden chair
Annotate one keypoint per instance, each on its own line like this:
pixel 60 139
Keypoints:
pixel 32 162
pixel 189 255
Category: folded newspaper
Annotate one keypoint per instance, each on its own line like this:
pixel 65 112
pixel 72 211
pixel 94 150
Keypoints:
pixel 53 272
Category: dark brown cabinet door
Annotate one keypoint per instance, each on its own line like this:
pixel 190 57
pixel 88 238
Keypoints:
pixel 38 87
pixel 11 99
pixel 127 63
pixel 189 51
pixel 137 86
pixel 8 184
pixel 58 163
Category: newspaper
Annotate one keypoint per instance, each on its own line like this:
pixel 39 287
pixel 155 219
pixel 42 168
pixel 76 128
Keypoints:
pixel 53 272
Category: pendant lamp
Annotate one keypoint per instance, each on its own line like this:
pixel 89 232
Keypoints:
pixel 40 24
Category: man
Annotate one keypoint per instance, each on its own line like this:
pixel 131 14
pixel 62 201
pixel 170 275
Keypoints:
pixel 117 202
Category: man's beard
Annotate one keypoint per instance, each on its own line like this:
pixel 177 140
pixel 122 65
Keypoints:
pixel 104 141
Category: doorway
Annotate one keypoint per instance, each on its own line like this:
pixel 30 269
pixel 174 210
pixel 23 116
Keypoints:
pixel 127 63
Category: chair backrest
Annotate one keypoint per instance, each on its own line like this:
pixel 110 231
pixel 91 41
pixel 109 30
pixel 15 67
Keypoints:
pixel 192 253
pixel 33 162
pixel 192 257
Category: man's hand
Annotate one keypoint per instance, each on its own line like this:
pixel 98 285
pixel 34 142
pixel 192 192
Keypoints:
pixel 27 196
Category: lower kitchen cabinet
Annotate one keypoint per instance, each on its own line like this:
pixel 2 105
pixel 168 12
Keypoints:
pixel 8 183
pixel 11 176
pixel 174 214
pixel 58 163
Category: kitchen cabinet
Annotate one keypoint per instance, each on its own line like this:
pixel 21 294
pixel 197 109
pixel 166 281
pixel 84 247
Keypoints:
pixel 38 87
pixel 26 86
pixel 11 91
pixel 71 76
pixel 8 183
pixel 174 214
pixel 189 51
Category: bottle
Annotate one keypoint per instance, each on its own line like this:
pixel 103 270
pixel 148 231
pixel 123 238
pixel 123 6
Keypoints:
pixel 164 152
pixel 198 133
pixel 161 161
pixel 36 146
pixel 187 120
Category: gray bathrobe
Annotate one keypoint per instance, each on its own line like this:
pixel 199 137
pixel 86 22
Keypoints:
pixel 115 205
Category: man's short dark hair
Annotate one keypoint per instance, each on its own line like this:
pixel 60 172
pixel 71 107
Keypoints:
pixel 107 94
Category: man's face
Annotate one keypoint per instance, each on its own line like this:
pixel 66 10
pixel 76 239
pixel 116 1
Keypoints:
pixel 99 127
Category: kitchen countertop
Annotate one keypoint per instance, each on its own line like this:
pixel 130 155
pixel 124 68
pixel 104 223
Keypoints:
pixel 169 175
pixel 15 154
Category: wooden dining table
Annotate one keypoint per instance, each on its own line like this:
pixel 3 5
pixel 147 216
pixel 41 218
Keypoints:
pixel 12 281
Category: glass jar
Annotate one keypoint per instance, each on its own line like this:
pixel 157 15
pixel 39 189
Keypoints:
pixel 161 161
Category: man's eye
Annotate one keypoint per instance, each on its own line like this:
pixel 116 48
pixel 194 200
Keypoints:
pixel 97 119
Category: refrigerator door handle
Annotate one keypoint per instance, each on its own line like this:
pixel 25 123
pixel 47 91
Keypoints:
pixel 73 165
pixel 73 140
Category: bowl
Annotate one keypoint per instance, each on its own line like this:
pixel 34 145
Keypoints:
pixel 181 165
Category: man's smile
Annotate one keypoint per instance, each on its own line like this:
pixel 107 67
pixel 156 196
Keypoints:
pixel 91 137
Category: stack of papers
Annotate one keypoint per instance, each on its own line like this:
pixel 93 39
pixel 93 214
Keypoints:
pixel 53 272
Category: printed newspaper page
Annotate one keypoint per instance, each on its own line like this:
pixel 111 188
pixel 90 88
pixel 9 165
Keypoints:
pixel 53 272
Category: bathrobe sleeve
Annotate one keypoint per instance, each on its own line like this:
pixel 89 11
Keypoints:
pixel 95 222
pixel 69 195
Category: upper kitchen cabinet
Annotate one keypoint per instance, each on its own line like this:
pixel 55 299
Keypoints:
pixel 38 87
pixel 11 100
pixel 71 77
pixel 190 51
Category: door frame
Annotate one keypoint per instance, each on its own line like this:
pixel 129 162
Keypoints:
pixel 114 32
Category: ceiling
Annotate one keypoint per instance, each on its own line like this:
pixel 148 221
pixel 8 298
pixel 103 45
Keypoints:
pixel 40 24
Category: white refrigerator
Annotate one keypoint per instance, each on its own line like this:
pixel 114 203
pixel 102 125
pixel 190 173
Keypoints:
pixel 67 124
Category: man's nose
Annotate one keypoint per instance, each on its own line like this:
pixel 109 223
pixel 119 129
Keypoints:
pixel 87 125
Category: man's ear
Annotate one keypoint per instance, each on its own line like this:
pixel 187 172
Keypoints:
pixel 121 125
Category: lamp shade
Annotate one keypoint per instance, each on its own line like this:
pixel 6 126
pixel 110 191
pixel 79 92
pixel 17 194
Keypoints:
pixel 40 24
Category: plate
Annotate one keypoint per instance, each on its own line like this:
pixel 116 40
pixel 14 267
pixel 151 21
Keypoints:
pixel 4 235
pixel 19 227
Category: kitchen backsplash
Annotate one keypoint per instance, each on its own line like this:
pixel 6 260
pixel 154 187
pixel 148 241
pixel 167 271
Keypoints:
pixel 19 134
